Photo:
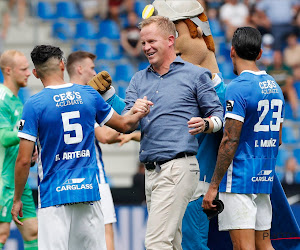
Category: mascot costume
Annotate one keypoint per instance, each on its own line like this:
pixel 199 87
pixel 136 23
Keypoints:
pixel 195 44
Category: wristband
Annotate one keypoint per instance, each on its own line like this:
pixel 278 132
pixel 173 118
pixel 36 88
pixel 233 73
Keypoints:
pixel 217 123
pixel 109 93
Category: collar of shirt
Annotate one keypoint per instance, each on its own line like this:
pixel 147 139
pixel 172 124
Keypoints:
pixel 178 60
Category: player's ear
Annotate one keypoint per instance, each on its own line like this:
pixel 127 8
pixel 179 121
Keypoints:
pixel 79 69
pixel 7 70
pixel 62 65
pixel 259 54
pixel 232 52
pixel 171 40
pixel 35 73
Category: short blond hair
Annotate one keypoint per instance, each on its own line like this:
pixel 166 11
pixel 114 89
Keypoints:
pixel 163 23
pixel 7 58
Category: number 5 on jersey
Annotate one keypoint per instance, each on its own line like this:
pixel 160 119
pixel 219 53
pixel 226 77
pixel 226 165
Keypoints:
pixel 66 117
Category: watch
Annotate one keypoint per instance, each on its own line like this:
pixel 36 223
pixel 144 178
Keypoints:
pixel 206 125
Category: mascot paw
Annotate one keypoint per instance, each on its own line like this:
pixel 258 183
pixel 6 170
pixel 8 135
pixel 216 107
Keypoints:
pixel 101 82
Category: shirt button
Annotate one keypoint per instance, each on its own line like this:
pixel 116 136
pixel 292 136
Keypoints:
pixel 148 120
pixel 142 150
pixel 156 91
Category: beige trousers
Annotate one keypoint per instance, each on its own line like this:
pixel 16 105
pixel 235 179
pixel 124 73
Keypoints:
pixel 169 189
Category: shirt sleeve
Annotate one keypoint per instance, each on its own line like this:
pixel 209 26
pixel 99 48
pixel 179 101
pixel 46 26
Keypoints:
pixel 208 100
pixel 28 128
pixel 117 103
pixel 5 115
pixel 103 110
pixel 235 102
pixel 131 95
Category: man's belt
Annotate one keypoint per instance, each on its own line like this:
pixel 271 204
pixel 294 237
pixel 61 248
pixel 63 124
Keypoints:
pixel 152 165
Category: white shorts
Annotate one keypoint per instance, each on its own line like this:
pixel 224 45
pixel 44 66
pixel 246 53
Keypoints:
pixel 245 211
pixel 107 204
pixel 78 226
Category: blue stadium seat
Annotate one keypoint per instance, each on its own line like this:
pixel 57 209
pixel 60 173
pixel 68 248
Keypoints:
pixel 122 91
pixel 85 29
pixel 288 135
pixel 226 68
pixel 124 72
pixel 216 29
pixel 288 113
pixel 224 50
pixel 143 65
pixel 68 9
pixel 282 156
pixel 1 77
pixel 297 87
pixel 62 30
pixel 106 51
pixel 139 7
pixel 297 155
pixel 46 10
pixel 104 67
pixel 109 29
pixel 297 178
pixel 24 94
pixel 85 46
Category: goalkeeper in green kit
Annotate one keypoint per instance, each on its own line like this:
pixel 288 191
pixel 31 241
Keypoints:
pixel 15 69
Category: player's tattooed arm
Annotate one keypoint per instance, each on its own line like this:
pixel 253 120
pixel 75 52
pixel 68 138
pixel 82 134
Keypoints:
pixel 228 147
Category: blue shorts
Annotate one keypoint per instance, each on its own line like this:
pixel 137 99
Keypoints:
pixel 195 226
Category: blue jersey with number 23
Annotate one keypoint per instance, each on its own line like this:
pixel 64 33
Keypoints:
pixel 255 99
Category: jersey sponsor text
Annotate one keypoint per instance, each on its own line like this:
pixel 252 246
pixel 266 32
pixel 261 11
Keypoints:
pixel 68 98
pixel 263 175
pixel 74 184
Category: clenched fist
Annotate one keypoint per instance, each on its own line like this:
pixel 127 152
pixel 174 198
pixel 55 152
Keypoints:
pixel 101 82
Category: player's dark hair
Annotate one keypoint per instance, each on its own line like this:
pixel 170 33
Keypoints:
pixel 77 56
pixel 42 53
pixel 247 43
pixel 41 56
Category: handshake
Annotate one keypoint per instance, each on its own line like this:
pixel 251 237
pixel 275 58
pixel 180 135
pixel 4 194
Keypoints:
pixel 102 83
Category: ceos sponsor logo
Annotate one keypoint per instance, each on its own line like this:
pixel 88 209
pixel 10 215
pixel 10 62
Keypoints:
pixel 74 184
pixel 68 98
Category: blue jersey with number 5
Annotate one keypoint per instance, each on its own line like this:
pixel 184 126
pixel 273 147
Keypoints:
pixel 61 119
pixel 255 99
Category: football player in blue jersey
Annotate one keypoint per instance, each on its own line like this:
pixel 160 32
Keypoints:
pixel 81 69
pixel 61 120
pixel 246 160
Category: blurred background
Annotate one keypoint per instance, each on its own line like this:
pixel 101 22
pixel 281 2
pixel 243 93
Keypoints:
pixel 108 28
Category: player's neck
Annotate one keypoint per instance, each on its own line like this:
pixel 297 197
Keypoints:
pixel 246 65
pixel 12 86
pixel 53 80
pixel 77 80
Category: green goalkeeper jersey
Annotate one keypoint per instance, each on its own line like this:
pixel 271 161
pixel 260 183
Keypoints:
pixel 11 109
